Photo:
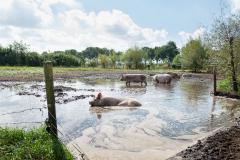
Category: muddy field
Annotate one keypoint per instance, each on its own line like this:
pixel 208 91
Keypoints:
pixel 29 76
pixel 172 115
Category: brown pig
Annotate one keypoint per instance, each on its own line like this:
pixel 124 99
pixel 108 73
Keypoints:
pixel 134 78
pixel 101 101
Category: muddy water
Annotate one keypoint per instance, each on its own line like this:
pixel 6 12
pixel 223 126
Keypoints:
pixel 171 117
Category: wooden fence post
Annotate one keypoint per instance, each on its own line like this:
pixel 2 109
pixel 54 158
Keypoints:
pixel 48 73
pixel 214 81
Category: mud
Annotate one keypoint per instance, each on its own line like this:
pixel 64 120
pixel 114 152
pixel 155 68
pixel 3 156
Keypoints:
pixel 224 144
pixel 26 77
pixel 9 84
pixel 227 95
pixel 61 93
pixel 28 93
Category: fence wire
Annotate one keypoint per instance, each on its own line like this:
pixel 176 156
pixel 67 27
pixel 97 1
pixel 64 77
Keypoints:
pixel 64 135
pixel 24 110
pixel 75 145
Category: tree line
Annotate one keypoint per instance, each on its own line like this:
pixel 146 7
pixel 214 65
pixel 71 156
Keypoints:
pixel 18 54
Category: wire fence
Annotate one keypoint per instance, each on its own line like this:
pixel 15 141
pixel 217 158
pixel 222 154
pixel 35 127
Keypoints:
pixel 69 138
pixel 65 137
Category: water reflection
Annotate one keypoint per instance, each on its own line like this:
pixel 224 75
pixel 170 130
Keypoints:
pixel 133 89
pixel 171 115
pixel 100 111
pixel 212 112
pixel 194 91
pixel 160 86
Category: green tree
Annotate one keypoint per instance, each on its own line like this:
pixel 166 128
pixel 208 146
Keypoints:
pixel 150 53
pixel 171 51
pixel 113 58
pixel 19 50
pixel 166 52
pixel 71 52
pixel 103 59
pixel 33 59
pixel 62 59
pixel 225 40
pixel 93 63
pixel 193 55
pixel 133 57
pixel 176 63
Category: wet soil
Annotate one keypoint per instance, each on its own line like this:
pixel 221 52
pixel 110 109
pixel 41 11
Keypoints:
pixel 61 93
pixel 26 77
pixel 227 95
pixel 224 144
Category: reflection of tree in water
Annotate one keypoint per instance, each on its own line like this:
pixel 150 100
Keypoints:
pixel 232 107
pixel 167 87
pixel 232 111
pixel 194 90
pixel 212 118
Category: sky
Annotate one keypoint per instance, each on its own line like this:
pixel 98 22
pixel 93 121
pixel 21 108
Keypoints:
pixel 48 25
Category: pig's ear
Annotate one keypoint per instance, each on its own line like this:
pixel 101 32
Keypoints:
pixel 99 96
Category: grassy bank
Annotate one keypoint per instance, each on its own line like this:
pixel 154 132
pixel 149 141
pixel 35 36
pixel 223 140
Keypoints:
pixel 226 86
pixel 36 73
pixel 34 144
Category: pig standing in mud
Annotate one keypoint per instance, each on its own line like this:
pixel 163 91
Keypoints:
pixel 134 78
pixel 162 78
pixel 101 101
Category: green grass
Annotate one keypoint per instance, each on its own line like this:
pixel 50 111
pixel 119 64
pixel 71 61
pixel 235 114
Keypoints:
pixel 18 144
pixel 226 86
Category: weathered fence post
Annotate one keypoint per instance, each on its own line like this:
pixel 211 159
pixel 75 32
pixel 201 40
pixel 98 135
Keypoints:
pixel 214 81
pixel 48 73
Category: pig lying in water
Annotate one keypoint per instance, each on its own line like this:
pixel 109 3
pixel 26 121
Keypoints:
pixel 101 101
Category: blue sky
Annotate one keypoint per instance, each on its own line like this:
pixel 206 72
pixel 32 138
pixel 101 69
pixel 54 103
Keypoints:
pixel 175 15
pixel 118 24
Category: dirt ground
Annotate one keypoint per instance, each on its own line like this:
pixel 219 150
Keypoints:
pixel 223 145
pixel 67 75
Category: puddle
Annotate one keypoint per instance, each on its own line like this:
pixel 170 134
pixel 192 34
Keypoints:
pixel 171 117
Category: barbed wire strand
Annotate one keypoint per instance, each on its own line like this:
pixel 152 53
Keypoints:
pixel 9 96
pixel 21 111
pixel 57 138
pixel 75 145
pixel 21 122
pixel 83 156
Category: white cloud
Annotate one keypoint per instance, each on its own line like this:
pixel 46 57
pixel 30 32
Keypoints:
pixel 186 36
pixel 60 24
pixel 235 4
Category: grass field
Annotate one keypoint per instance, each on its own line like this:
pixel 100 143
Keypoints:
pixel 34 144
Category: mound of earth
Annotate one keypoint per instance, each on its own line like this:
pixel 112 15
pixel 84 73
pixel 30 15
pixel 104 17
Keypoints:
pixel 224 144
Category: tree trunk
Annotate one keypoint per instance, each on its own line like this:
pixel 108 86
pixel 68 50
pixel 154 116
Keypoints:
pixel 234 77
